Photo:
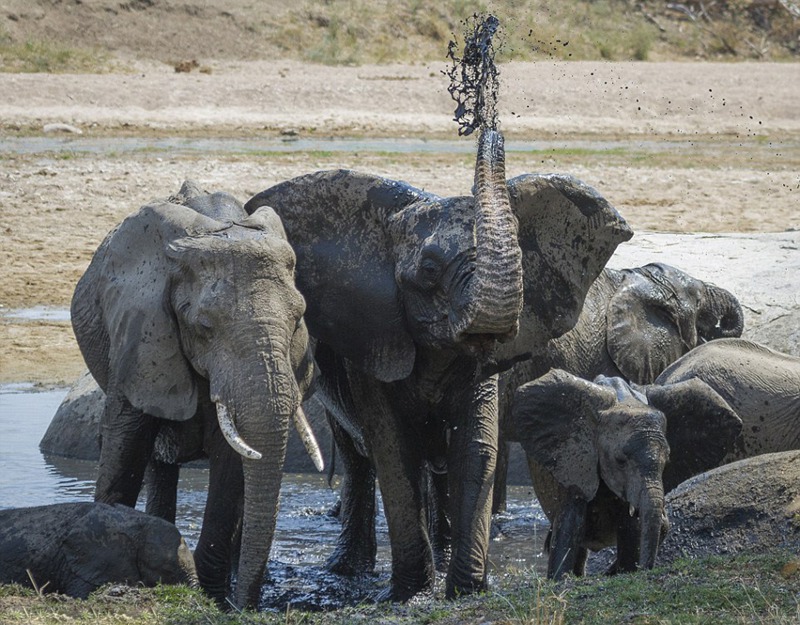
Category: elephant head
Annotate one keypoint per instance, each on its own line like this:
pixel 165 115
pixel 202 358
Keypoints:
pixel 387 268
pixel 579 434
pixel 179 310
pixel 658 313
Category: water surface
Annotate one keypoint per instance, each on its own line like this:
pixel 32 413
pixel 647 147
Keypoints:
pixel 305 534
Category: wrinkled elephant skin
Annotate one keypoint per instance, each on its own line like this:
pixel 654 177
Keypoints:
pixel 189 320
pixel 416 302
pixel 74 548
pixel 597 453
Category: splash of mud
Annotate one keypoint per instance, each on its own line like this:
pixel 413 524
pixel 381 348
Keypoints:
pixel 474 76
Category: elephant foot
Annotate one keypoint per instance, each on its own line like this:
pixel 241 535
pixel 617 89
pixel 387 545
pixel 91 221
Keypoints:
pixel 350 563
pixel 456 589
pixel 400 593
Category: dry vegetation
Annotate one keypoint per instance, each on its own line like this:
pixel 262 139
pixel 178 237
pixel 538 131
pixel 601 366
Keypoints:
pixel 46 35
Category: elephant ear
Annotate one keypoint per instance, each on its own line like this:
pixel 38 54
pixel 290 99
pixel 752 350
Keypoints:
pixel 122 304
pixel 701 427
pixel 647 327
pixel 554 418
pixel 336 223
pixel 567 232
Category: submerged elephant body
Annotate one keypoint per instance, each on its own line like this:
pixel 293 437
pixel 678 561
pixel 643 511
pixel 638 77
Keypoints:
pixel 189 320
pixel 74 548
pixel 415 302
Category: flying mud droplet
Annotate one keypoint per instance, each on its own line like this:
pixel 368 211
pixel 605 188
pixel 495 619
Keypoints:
pixel 474 76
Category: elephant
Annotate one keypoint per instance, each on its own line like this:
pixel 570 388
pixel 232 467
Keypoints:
pixel 602 454
pixel 74 548
pixel 633 324
pixel 416 303
pixel 762 385
pixel 189 319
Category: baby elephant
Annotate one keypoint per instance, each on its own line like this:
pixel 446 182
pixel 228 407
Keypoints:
pixel 74 548
pixel 601 455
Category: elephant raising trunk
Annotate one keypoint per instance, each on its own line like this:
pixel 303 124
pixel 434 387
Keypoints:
pixel 497 300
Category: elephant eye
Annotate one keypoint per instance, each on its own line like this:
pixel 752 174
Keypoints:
pixel 430 267
pixel 621 461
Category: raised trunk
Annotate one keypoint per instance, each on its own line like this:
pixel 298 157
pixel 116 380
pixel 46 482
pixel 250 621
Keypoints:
pixel 497 281
pixel 721 316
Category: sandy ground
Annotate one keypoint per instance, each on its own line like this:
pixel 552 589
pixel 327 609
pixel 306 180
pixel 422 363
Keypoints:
pixel 676 147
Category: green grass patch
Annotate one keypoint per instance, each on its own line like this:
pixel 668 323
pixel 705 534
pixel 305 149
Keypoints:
pixel 34 56
pixel 762 589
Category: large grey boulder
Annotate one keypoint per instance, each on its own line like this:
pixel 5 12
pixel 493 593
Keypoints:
pixel 752 505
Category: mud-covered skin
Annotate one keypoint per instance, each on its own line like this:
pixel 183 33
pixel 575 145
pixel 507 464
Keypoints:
pixel 597 453
pixel 761 385
pixel 634 323
pixel 188 312
pixel 408 317
pixel 74 548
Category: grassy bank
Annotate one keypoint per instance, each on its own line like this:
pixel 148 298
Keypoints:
pixel 42 36
pixel 762 589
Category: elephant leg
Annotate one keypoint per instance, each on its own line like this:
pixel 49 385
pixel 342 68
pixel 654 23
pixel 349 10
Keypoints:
pixel 356 545
pixel 566 536
pixel 579 569
pixel 501 477
pixel 127 437
pixel 161 482
pixel 628 533
pixel 398 456
pixel 472 456
pixel 438 521
pixel 213 555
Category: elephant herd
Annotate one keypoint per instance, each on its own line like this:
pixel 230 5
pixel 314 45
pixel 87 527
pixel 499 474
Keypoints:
pixel 435 330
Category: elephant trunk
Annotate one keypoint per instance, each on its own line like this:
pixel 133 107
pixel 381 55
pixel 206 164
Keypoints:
pixel 497 280
pixel 258 418
pixel 722 317
pixel 652 523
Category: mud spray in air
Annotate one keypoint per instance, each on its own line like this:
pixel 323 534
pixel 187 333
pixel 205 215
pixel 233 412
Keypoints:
pixel 474 76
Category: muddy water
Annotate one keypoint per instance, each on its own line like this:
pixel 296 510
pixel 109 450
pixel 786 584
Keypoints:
pixel 306 532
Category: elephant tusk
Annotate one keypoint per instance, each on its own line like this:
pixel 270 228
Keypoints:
pixel 308 438
pixel 231 435
pixel 631 509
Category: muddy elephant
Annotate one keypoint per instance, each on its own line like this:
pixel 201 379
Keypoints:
pixel 188 318
pixel 602 454
pixel 762 385
pixel 415 301
pixel 633 324
pixel 74 548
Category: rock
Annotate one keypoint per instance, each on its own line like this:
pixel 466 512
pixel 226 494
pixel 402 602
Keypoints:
pixel 57 127
pixel 752 505
pixel 74 430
